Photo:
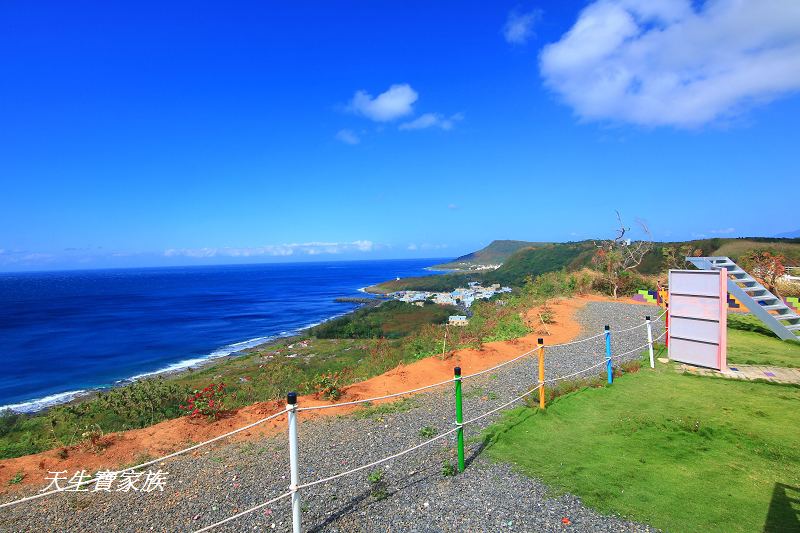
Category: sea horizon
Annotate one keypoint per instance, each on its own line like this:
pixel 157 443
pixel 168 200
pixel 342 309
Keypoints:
pixel 68 333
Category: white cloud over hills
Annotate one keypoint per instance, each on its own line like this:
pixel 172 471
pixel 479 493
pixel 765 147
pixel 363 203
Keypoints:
pixel 675 62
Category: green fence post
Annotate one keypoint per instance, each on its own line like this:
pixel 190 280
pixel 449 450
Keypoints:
pixel 459 419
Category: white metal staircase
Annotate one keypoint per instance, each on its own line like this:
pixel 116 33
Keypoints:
pixel 770 309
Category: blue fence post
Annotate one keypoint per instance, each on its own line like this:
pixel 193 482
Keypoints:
pixel 609 368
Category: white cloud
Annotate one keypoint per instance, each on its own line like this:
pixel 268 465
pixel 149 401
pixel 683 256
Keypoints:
pixel 275 250
pixel 425 246
pixel 392 104
pixel 347 136
pixel 663 62
pixel 452 206
pixel 723 231
pixel 24 257
pixel 432 120
pixel 519 26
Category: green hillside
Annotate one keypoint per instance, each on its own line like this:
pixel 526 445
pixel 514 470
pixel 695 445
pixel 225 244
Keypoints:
pixel 533 259
pixel 496 253
pixel 536 261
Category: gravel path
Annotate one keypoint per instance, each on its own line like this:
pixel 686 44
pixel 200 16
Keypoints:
pixel 413 494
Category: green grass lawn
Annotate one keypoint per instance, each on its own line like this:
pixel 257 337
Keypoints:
pixel 752 348
pixel 679 452
pixel 751 343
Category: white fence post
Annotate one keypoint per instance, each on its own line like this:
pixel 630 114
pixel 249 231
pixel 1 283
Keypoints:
pixel 650 340
pixel 291 407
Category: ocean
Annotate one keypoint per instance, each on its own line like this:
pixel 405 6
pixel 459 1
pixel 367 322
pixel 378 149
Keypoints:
pixel 63 334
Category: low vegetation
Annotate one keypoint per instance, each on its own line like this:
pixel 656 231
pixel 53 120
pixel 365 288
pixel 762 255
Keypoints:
pixel 534 259
pixel 496 253
pixel 751 343
pixel 373 340
pixel 378 487
pixel 682 453
pixel 392 320
pixel 136 405
pixel 323 364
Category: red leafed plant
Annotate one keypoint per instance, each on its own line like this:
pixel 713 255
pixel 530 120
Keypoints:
pixel 209 402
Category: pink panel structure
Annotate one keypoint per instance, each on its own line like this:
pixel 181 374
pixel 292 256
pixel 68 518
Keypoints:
pixel 698 317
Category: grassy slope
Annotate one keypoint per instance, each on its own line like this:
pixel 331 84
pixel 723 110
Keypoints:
pixel 751 348
pixel 682 453
pixel 535 261
pixel 737 247
pixel 547 257
pixel 497 252
pixel 751 343
pixel 392 319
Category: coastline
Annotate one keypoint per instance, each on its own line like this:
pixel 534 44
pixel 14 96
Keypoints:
pixel 175 370
pixel 170 434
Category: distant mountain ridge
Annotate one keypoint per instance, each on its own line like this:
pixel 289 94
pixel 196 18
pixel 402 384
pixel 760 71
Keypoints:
pixel 789 234
pixel 535 258
pixel 489 257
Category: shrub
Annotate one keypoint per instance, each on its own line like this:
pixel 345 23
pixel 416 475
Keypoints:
pixel 328 386
pixel 8 421
pixel 559 283
pixel 92 438
pixel 788 288
pixel 428 340
pixel 508 327
pixel 208 402
pixel 378 489
pixel 428 432
pixel 546 314
pixel 139 404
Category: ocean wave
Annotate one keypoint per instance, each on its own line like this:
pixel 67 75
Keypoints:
pixel 33 406
pixel 224 351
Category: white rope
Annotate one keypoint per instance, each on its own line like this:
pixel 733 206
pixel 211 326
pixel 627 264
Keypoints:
pixel 629 329
pixel 375 463
pixel 471 420
pixel 501 364
pixel 575 342
pixel 561 378
pixel 652 320
pixel 148 463
pixel 354 402
pixel 467 376
pixel 234 517
pixel 422 444
pixel 642 347
pixel 394 395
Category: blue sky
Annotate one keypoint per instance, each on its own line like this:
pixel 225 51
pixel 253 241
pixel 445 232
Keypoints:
pixel 167 133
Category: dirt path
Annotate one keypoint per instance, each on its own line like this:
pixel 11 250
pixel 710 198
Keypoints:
pixel 131 446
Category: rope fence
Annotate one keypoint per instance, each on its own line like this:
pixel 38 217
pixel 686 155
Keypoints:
pixel 292 410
